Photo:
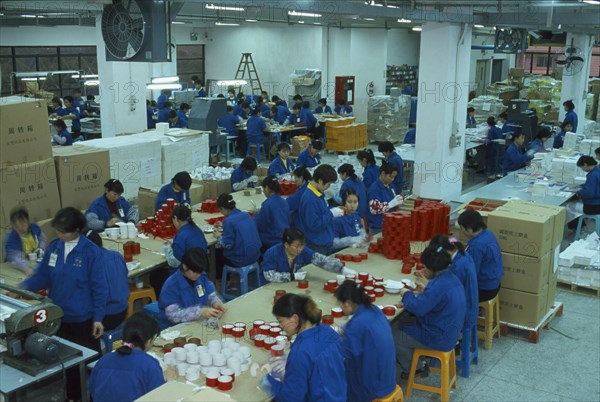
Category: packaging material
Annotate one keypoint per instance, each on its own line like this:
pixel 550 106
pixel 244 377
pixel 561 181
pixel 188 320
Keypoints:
pixel 522 308
pixel 522 233
pixel 387 118
pixel 81 173
pixel 307 82
pixel 134 160
pixel 516 72
pixel 527 274
pixel 174 391
pixel 147 196
pixel 486 106
pixel 503 91
pixel 588 146
pixel 482 205
pixel 32 185
pixel 299 143
pixel 347 138
pixel 24 132
pixel 557 214
pixel 46 226
pixel 564 169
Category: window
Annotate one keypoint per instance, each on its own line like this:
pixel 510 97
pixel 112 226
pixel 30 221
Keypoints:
pixel 190 62
pixel 542 60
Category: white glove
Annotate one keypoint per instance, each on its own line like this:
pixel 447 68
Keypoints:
pixel 530 153
pixel 300 275
pixel 265 385
pixel 398 200
pixel 337 212
pixel 253 179
pixel 348 271
pixel 166 248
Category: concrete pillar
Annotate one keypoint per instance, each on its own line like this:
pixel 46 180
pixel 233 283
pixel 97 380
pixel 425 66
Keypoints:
pixel 575 84
pixel 443 94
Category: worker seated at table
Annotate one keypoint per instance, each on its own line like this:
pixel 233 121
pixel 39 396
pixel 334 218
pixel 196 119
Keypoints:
pixel 163 114
pixel 391 156
pixel 411 135
pixel 493 151
pixel 382 198
pixel 515 158
pixel 310 157
pixel 265 110
pixel 163 98
pixel 274 214
pixel 278 101
pixel 559 139
pixel 433 315
pixel 341 109
pixel 175 121
pixel 178 189
pixel 302 178
pixel 110 208
pixel 484 249
pixel 323 108
pixel 366 158
pixel 348 230
pixel 370 375
pixel 471 123
pixel 62 136
pixel 25 242
pixel 183 111
pixel 294 117
pixel 242 110
pixel 55 109
pixel 537 145
pixel 307 117
pixel 255 130
pixel 350 181
pixel 230 121
pixel 188 294
pixel 507 127
pixel 265 96
pixel 243 176
pixel 130 372
pixel 282 164
pixel 279 113
pixel 188 236
pixel 150 123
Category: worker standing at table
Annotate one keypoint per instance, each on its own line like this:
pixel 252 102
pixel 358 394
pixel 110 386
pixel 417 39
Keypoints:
pixel 570 116
pixel 22 240
pixel 178 189
pixel 255 131
pixel 301 177
pixel 163 98
pixel 391 156
pixel 110 208
pixel 188 236
pixel 382 198
pixel 350 181
pixel 515 158
pixel 307 117
pixel 590 191
pixel 310 156
pixel 492 151
pixel 314 370
pixel 483 247
pixel 471 123
pixel 435 314
pixel 274 214
pixel 70 112
pixel 341 109
pixel 243 176
pixel 282 164
pixel 368 345
pixel 366 158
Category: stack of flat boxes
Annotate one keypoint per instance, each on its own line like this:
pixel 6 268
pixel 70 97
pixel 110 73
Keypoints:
pixel 345 135
pixel 529 235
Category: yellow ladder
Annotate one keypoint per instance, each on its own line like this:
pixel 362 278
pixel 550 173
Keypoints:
pixel 247 66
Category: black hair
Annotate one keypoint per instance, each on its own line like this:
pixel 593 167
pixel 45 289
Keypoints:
pixel 114 185
pixel 172 114
pixel 60 124
pixel 586 160
pixel 386 146
pixel 517 134
pixel 183 213
pixel 347 193
pixel 245 105
pixel 19 214
pixel 293 234
pixel 68 98
pixel 447 243
pixel 271 183
pixel 491 121
pixel 341 102
pixel 256 110
pixel 388 168
pixel 350 291
pixel 412 125
pixel 297 97
pixel 195 259
pixel 503 115
pixel 564 125
pixel 264 92
pixel 231 90
pixel 348 170
pixel 597 150
pixel 153 102
pixel 368 155
pixel 229 108
pixel 249 163
pixel 302 171
pixel 543 132
pixel 184 106
pixel 168 105
pixel 69 220
pixel 183 180
pixel 92 236
pixel 325 173
pixel 297 106
pixel 138 330
pixel 56 99
pixel 282 146
pixel 195 78
pixel 304 307
pixel 317 144
pixel 226 201
pixel 305 105
pixel 259 100
pixel 91 97
pixel 220 96
pixel 569 104
pixel 470 109
pixel 471 219
pixel 275 98
pixel 435 258
pixel 323 101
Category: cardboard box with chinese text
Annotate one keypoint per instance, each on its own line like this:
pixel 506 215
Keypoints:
pixel 522 308
pixel 526 274
pixel 521 233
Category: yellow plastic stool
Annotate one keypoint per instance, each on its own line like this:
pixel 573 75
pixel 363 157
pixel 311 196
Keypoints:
pixel 140 294
pixel 447 370
pixel 490 321
pixel 396 396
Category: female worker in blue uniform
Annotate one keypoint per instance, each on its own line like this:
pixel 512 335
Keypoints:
pixel 350 181
pixel 368 346
pixel 314 370
pixel 188 294
pixel 590 191
pixel 110 208
pixel 130 372
pixel 391 156
pixel 255 131
pixel 570 115
pixel 559 139
pixel 70 112
pixel 188 236
pixel 178 189
pixel 515 158
pixel 23 239
pixel 341 109
pixel 323 108
pixel 371 170
pixel 483 247
pixel 62 136
pixel 282 164
pixel 229 122
pixel 310 156
pixel 279 112
pixel 302 177
pixel 243 176
pixel 492 151
pixel 348 230
pixel 537 145
pixel 306 116
pixel 274 214
pixel 439 311
pixel 381 197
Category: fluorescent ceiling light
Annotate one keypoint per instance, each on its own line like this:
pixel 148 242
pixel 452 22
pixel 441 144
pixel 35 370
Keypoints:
pixel 225 8
pixel 300 22
pixel 316 23
pixel 84 76
pixel 390 6
pixel 418 29
pixel 478 26
pixel 232 82
pixel 164 80
pixel 372 3
pixel 303 14
pixel 369 19
pixel 164 86
pixel 594 2
pixel 404 21
pixel 33 79
pixel 227 24
pixel 92 83
pixel 31 16
pixel 251 20
pixel 178 22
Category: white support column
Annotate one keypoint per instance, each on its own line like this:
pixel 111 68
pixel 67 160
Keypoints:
pixel 443 94
pixel 575 85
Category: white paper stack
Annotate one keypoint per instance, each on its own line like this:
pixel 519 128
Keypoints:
pixel 589 128
pixel 588 146
pixel 162 128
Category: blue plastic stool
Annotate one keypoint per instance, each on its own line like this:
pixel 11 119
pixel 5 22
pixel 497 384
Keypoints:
pixel 109 337
pixel 243 273
pixel 469 350
pixel 153 310
pixel 580 222
pixel 257 145
pixel 230 149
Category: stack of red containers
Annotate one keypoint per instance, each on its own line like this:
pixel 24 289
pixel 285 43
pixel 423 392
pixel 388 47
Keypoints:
pixel 209 206
pixel 396 232
pixel 429 218
pixel 161 225
pixel 288 187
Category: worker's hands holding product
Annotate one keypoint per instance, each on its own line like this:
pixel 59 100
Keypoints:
pixel 97 330
pixel 220 307
pixel 112 222
pixel 209 312
pixel 398 200
pixel 337 212
pixel 299 275
pixel 348 271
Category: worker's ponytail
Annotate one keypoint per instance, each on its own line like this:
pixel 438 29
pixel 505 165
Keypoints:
pixel 350 291
pixel 139 329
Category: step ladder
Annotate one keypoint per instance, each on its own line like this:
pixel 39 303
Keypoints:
pixel 247 71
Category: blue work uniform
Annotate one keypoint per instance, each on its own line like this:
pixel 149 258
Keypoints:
pixel 293 202
pixel 381 193
pixel 240 174
pixel 514 159
pixel 536 146
pixel 308 118
pixel 572 117
pixel 150 124
pixel 78 285
pixel 471 121
pixel 507 128
pixel 120 377
pixel 343 111
pixel 183 119
pixel 407 90
pixel 188 236
pixel 239 111
pixel 370 175
pixel 255 129
pixel 492 155
pixel 315 368
pixel 201 93
pixel 99 207
pixel 559 140
pixel 369 353
pixel 278 167
pixel 115 269
pixel 347 225
pixel 293 119
pixel 177 290
pixel 326 110
pixel 315 218
pixel 163 115
pixel 398 182
pixel 178 124
pixel 78 103
pixel 161 100
pixel 305 159
pixel 240 239
pixel 275 259
pixel 272 219
pixel 590 191
pixel 229 122
pixel 410 137
pixel 282 114
pixel 75 123
pixel 464 268
pixel 265 111
pixel 65 134
pixel 485 252
pixel 359 187
pixel 13 242
pixel 167 191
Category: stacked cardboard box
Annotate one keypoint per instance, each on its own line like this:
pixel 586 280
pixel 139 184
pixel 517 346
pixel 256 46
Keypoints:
pixel 347 138
pixel 529 235
pixel 387 118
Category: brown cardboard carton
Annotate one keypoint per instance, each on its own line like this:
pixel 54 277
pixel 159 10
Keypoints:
pixel 299 144
pixel 521 233
pixel 522 308
pixel 224 187
pixel 527 274
pixel 516 72
pixel 32 185
pixel 46 226
pixel 147 196
pixel 556 213
pixel 82 173
pixel 24 131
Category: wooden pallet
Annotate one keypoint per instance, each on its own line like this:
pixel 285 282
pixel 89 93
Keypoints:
pixel 533 333
pixel 588 290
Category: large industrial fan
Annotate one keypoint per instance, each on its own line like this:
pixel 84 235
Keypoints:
pixel 510 40
pixel 137 30
pixel 573 62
